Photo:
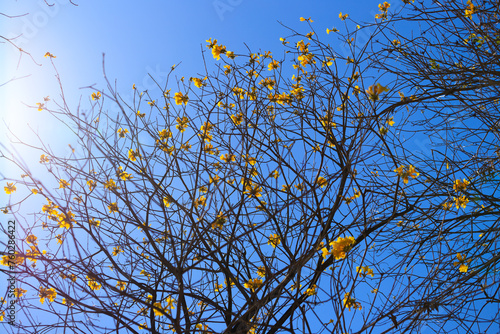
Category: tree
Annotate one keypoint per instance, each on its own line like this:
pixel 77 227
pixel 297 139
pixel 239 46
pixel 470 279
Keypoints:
pixel 251 200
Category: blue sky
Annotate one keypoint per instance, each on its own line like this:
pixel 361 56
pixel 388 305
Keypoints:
pixel 139 38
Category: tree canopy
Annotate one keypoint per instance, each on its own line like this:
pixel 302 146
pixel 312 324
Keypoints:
pixel 346 188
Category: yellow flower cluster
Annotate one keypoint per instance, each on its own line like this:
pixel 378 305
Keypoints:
pixel 374 91
pixel 470 9
pixel 462 263
pixel 383 7
pixel 219 221
pixel 339 248
pixel 364 271
pixel 253 284
pixel 181 98
pixel 10 188
pixel 274 240
pixel 312 290
pixel 92 283
pixel 50 294
pixel 351 302
pixel 406 173
pixel 460 186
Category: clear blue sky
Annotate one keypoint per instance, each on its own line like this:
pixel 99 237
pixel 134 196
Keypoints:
pixel 138 37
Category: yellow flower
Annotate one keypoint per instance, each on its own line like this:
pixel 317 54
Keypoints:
pixel 460 186
pixel 117 250
pixel 322 182
pixel 92 283
pixel 133 155
pixel 312 290
pixel 182 123
pixel 50 294
pixel 364 271
pixel 202 200
pixel 19 292
pixel 31 239
pixel 110 185
pixel 253 284
pixel 211 43
pixel 340 247
pixel 198 82
pixel 261 271
pixel 343 17
pixel 65 302
pixel 66 220
pixel 383 8
pixel 237 119
pixel 219 221
pixel 304 19
pixel 94 222
pixel 181 98
pixel 40 106
pixel 328 31
pixel 310 35
pixel 275 174
pixel 44 159
pixel 213 179
pixel 273 65
pixel 217 50
pixel 351 302
pixel 96 96
pixel 461 201
pixel 462 262
pixel 470 9
pixel 121 285
pixel 253 191
pixel 268 82
pixel 122 132
pixel 228 158
pixel 91 184
pixel 283 41
pixel 274 240
pixel 50 55
pixel 167 200
pixel 375 90
pixel 10 188
pixel 165 134
pixel 8 261
pixel 113 207
pixel 230 54
pixel 123 175
pixel 406 174
pixel 63 184
pixel 390 121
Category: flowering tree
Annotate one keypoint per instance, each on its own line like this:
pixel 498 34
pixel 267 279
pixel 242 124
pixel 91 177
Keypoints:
pixel 278 195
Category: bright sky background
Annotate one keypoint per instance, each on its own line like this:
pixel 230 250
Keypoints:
pixel 138 37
